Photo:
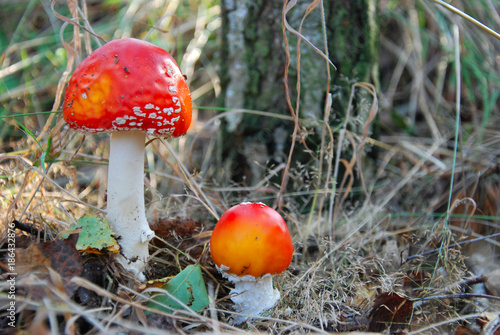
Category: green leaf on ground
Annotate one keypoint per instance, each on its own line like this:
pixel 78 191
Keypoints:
pixel 96 235
pixel 188 287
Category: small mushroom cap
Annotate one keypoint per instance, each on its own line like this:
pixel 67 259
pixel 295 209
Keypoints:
pixel 251 239
pixel 128 84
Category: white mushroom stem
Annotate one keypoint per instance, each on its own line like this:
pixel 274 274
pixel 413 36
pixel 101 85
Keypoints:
pixel 125 204
pixel 251 295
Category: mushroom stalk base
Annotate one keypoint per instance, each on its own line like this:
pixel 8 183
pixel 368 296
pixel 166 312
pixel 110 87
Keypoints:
pixel 251 295
pixel 125 200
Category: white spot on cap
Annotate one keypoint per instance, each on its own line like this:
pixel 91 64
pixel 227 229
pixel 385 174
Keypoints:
pixel 172 89
pixel 166 131
pixel 170 72
pixel 152 116
pixel 151 131
pixel 168 110
pixel 149 106
pixel 172 121
pixel 178 110
pixel 176 101
pixel 84 95
pixel 138 112
pixel 120 121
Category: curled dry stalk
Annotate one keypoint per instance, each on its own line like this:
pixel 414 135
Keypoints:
pixel 73 52
pixel 323 183
pixel 295 111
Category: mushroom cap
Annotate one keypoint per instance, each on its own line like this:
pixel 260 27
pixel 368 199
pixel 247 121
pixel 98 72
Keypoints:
pixel 128 84
pixel 251 239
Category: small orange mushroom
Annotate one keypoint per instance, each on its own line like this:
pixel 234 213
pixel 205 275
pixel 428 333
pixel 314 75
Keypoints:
pixel 249 244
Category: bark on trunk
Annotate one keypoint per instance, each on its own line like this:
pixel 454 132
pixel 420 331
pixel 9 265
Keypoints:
pixel 253 67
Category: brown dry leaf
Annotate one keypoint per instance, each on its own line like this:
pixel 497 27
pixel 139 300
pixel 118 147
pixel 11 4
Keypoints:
pixel 462 330
pixel 392 310
pixel 490 326
pixel 185 234
pixel 415 279
pixel 60 255
pixel 479 327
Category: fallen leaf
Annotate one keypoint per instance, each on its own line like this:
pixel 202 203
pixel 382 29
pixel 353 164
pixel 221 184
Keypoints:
pixel 391 310
pixel 96 236
pixel 481 326
pixel 184 234
pixel 462 330
pixel 188 287
pixel 60 255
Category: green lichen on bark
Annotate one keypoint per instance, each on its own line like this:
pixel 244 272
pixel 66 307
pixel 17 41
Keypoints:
pixel 253 63
pixel 352 37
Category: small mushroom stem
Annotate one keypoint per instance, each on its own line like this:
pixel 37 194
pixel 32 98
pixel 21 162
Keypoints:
pixel 252 296
pixel 125 203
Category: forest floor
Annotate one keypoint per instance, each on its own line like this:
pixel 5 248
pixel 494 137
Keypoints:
pixel 404 241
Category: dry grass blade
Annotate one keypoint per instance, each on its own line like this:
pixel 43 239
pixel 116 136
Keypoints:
pixel 288 5
pixel 75 9
pixel 492 327
pixel 44 178
pixel 446 322
pixel 467 17
pixel 193 185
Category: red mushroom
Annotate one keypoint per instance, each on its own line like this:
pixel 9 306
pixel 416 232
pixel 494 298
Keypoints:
pixel 129 88
pixel 249 244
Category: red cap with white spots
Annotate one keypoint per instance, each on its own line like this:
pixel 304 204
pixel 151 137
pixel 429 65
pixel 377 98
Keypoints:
pixel 128 84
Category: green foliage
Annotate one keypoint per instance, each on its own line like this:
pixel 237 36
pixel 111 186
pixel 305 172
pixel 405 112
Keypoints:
pixel 95 235
pixel 482 84
pixel 187 287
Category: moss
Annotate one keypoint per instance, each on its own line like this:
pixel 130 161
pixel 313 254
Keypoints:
pixel 352 46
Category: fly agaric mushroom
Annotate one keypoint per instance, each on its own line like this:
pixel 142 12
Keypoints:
pixel 249 244
pixel 129 88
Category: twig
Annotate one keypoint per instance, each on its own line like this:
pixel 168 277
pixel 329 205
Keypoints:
pixel 459 296
pixel 464 282
pixel 451 246
pixel 446 322
pixel 29 229
pixel 492 327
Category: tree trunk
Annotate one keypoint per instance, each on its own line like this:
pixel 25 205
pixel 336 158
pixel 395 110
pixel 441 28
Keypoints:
pixel 253 65
pixel 252 69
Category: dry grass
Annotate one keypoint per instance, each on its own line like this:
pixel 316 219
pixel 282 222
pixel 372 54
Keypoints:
pixel 403 228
